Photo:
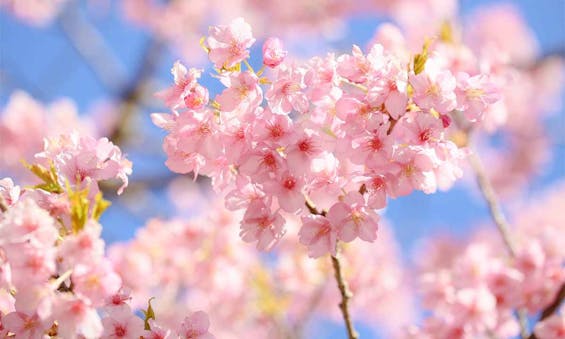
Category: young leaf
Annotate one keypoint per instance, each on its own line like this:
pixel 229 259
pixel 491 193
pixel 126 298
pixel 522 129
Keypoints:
pixel 149 314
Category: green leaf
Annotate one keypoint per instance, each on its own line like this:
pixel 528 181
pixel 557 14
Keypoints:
pixel 149 314
pixel 48 176
pixel 100 205
pixel 80 206
pixel 420 59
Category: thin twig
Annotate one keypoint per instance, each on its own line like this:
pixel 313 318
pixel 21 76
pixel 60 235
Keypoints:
pixel 500 221
pixel 91 46
pixel 345 296
pixel 313 303
pixel 494 207
pixel 134 93
pixel 341 283
pixel 487 190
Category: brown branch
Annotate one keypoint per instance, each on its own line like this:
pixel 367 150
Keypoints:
pixel 551 308
pixel 554 306
pixel 87 41
pixel 345 296
pixel 134 93
pixel 3 206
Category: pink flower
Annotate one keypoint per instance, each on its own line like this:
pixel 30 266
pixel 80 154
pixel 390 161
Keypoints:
pixel 318 234
pixel 27 222
pixel 9 193
pixel 242 92
pixel 476 308
pixel 30 264
pixel 196 326
pixel 76 316
pixel 415 171
pixel 274 129
pixel 157 331
pixel 262 225
pixel 475 94
pixel 122 323
pixel 229 44
pixel 434 88
pixel 354 219
pixel 287 187
pixel 551 328
pixel 24 326
pixel 301 152
pixel 356 67
pixel 96 282
pixel 83 248
pixel 185 88
pixel 244 193
pixel 286 92
pixel 273 52
pixel 83 160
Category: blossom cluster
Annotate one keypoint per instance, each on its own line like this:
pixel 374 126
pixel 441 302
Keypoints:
pixel 55 280
pixel 246 295
pixel 473 287
pixel 328 139
pixel 24 123
pixel 35 12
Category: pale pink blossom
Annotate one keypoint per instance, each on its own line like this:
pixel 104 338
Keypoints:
pixel 551 327
pixel 262 225
pixel 229 44
pixel 96 282
pixel 157 331
pixel 286 93
pixel 83 161
pixel 475 94
pixel 318 234
pixel 122 323
pixel 185 89
pixel 23 325
pixel 195 326
pixel 273 52
pixel 76 317
pixel 434 88
pixel 243 92
pixel 353 219
pixel 9 193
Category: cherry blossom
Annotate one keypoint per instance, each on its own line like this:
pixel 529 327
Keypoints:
pixel 229 44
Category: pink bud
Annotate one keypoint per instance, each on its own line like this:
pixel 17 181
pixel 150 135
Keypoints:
pixel 273 52
pixel 445 120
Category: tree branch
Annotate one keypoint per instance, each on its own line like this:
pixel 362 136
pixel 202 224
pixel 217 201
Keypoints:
pixel 341 283
pixel 92 47
pixel 132 94
pixel 345 296
pixel 551 308
pixel 490 197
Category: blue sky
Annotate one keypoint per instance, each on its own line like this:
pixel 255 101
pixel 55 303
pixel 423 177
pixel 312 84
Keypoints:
pixel 42 62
